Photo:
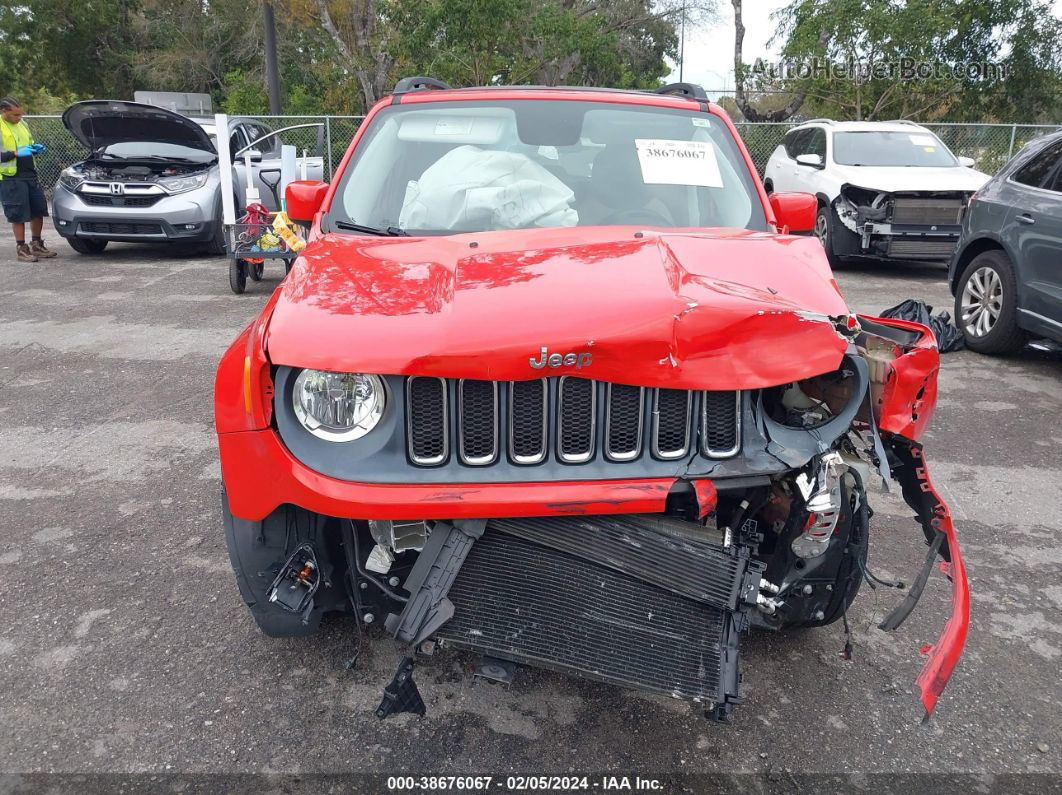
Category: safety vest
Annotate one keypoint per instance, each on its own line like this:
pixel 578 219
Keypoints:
pixel 13 136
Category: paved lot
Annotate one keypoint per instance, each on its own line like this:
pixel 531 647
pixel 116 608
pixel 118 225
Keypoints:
pixel 124 646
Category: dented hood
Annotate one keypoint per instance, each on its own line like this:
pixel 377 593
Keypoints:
pixel 716 309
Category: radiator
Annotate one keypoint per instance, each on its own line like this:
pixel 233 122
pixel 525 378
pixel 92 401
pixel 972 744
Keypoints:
pixel 649 615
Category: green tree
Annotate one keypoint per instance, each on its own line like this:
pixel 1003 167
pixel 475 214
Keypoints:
pixel 63 47
pixel 1023 36
pixel 481 42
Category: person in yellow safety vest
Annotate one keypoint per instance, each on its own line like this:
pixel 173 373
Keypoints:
pixel 20 192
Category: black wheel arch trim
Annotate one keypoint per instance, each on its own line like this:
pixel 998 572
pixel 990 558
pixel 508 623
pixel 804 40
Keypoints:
pixel 969 249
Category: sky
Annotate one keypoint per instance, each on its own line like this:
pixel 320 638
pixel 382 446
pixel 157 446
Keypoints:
pixel 709 56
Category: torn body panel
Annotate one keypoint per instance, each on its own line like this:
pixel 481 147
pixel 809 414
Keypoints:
pixel 935 518
pixel 904 363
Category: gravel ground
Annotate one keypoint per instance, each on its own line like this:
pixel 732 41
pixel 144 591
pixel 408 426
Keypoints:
pixel 124 646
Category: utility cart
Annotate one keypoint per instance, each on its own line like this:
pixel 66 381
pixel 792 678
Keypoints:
pixel 259 234
pixel 251 243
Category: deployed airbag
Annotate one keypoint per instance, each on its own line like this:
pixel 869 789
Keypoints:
pixel 470 189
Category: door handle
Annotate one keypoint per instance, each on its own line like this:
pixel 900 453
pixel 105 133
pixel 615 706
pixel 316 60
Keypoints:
pixel 1025 218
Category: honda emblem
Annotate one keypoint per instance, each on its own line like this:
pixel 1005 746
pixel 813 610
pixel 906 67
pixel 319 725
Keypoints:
pixel 117 189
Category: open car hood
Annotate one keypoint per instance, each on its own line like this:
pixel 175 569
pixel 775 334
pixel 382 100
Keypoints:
pixel 99 123
pixel 709 309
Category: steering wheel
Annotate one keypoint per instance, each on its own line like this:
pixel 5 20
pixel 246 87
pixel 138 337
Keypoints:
pixel 637 215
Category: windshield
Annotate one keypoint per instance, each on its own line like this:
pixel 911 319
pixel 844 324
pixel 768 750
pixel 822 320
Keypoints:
pixel 440 168
pixel 890 148
pixel 158 151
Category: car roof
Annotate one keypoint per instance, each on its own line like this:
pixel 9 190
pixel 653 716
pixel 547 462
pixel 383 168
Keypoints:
pixel 573 93
pixel 864 126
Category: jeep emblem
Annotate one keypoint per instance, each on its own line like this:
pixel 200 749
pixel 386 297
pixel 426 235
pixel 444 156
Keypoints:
pixel 547 359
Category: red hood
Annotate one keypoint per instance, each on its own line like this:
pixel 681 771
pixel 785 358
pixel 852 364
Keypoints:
pixel 726 309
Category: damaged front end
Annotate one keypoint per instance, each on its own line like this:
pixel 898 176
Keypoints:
pixel 761 519
pixel 912 225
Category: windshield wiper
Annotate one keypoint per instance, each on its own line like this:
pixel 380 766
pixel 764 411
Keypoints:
pixel 153 158
pixel 390 231
pixel 167 158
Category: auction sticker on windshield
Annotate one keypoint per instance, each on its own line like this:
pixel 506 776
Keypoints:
pixel 668 162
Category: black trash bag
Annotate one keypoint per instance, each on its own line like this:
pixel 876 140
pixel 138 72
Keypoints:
pixel 949 338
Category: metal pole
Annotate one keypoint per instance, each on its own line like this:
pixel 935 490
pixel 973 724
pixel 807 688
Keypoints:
pixel 682 43
pixel 1013 130
pixel 272 70
pixel 328 145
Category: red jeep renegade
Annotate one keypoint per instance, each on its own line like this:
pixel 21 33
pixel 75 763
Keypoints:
pixel 554 381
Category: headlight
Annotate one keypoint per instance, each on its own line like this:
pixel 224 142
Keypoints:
pixel 338 407
pixel 69 178
pixel 181 184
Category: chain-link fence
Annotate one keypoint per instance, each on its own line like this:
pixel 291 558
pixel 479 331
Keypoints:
pixel 329 141
pixel 990 145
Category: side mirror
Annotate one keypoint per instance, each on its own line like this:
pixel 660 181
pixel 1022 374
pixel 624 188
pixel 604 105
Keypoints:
pixel 304 198
pixel 815 161
pixel 796 211
pixel 251 154
pixel 967 162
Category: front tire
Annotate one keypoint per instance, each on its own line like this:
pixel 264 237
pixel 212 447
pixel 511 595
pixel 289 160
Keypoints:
pixel 837 241
pixel 848 575
pixel 986 305
pixel 237 276
pixel 216 246
pixel 255 551
pixel 85 245
pixel 259 549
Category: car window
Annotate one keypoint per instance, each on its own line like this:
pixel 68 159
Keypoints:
pixel 891 148
pixel 269 147
pixel 817 143
pixel 1055 182
pixel 796 142
pixel 1037 170
pixel 441 168
pixel 236 141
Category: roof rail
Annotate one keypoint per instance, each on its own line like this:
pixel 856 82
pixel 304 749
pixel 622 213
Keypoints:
pixel 818 121
pixel 904 121
pixel 408 84
pixel 691 90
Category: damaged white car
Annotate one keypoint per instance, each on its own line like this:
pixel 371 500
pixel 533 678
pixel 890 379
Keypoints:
pixel 889 190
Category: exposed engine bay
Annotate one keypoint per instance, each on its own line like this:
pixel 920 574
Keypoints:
pixel 654 601
pixel 134 171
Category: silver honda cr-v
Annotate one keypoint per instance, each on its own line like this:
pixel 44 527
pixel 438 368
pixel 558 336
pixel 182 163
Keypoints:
pixel 152 176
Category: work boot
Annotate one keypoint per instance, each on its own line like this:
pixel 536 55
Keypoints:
pixel 25 253
pixel 40 250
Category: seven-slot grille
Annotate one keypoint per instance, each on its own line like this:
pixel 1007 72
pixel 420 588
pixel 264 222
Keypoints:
pixel 573 419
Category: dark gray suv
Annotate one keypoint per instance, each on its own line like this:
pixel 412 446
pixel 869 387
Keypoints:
pixel 1006 274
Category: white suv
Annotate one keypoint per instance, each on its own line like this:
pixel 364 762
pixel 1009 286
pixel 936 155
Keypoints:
pixel 885 189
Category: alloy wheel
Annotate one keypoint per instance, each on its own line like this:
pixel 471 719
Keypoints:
pixel 821 230
pixel 982 301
